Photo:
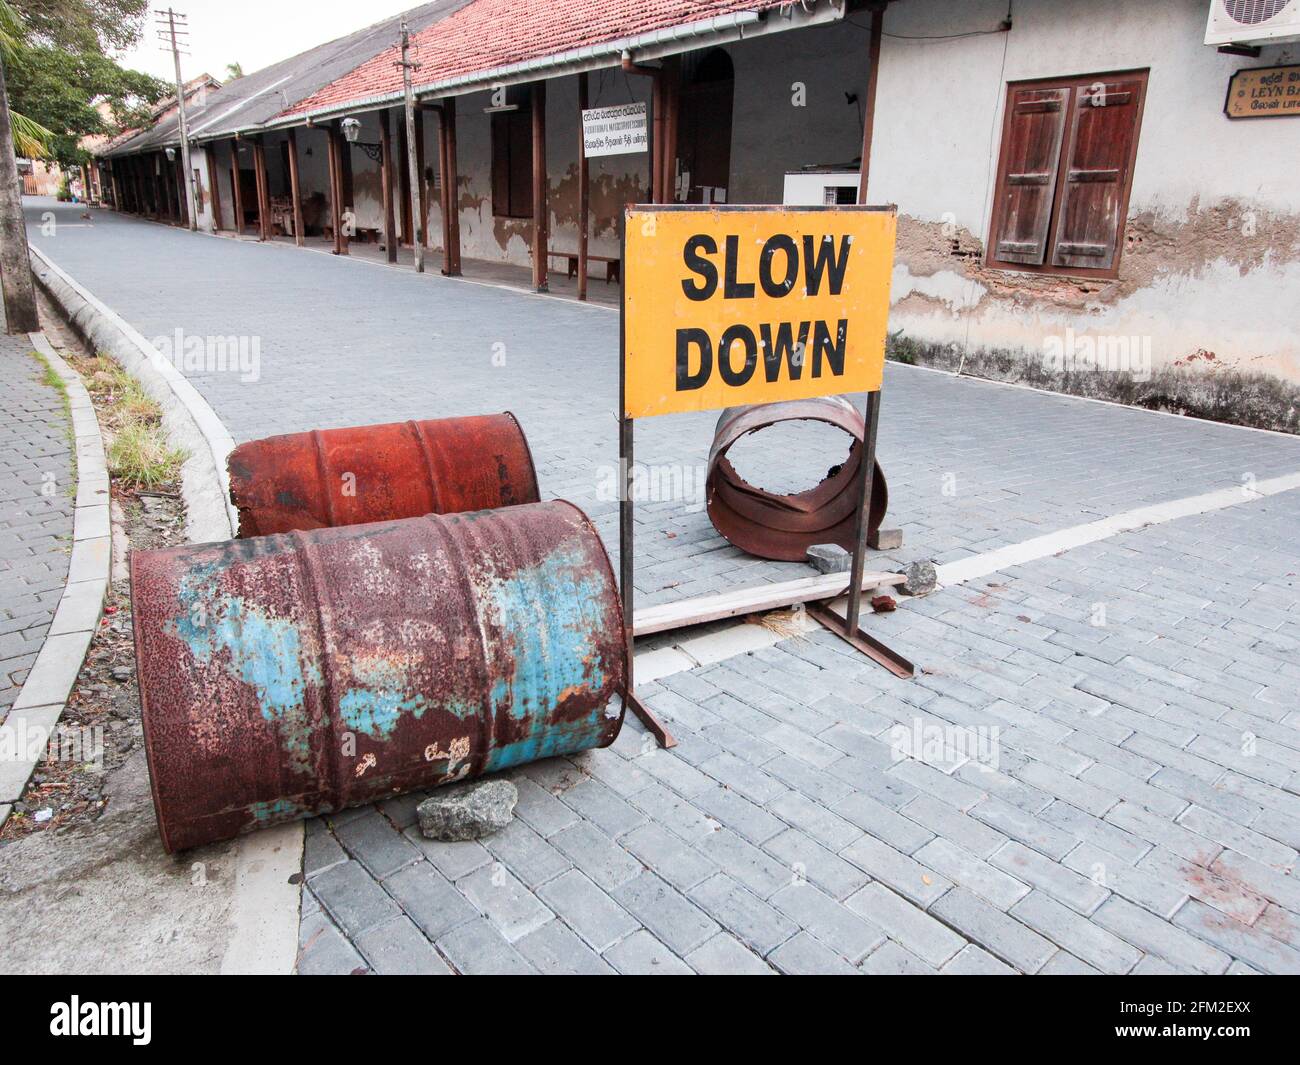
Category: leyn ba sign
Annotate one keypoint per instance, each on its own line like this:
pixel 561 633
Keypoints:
pixel 733 305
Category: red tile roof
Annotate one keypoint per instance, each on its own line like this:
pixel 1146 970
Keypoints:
pixel 492 33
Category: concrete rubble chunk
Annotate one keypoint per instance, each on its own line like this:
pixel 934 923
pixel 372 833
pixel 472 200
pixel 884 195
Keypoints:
pixel 829 558
pixel 921 578
pixel 468 811
pixel 885 540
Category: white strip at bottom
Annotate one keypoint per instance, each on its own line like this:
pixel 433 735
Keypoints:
pixel 969 569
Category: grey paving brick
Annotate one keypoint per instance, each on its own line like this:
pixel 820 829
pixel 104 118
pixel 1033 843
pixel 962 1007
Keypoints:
pixel 398 948
pixel 975 961
pixel 353 898
pixel 893 960
pixel 595 916
pixel 640 954
pixel 658 849
pixel 847 933
pixel 320 850
pixel 526 854
pixel 1025 827
pixel 508 904
pixel 808 858
pixel 673 918
pixel 943 820
pixel 323 951
pixel 1155 893
pixel 540 809
pixel 1252 945
pixel 725 956
pixel 453 860
pixel 993 930
pixel 972 873
pixel 1037 870
pixel 1081 937
pixel 742 913
pixel 759 872
pixel 1088 829
pixel 554 949
pixel 802 955
pixel 724 807
pixel 1242 840
pixel 1226 894
pixel 376 844
pixel 1063 963
pixel 596 854
pixel 934 943
pixel 428 898
pixel 476 948
pixel 1158 937
pixel 685 819
pixel 600 805
pixel 904 874
pixel 821 824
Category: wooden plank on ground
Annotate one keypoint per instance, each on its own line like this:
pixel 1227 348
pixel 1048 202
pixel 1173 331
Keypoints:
pixel 752 600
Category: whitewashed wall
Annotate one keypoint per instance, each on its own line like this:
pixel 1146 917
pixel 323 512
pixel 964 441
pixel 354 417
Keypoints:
pixel 1213 261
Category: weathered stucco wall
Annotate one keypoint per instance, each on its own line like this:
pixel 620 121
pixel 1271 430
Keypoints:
pixel 1211 260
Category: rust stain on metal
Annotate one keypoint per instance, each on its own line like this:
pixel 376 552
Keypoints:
pixel 291 675
pixel 783 527
pixel 334 477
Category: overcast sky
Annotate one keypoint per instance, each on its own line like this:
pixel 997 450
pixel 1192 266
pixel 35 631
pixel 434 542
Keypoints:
pixel 255 33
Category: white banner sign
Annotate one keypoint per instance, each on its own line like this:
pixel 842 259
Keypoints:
pixel 615 130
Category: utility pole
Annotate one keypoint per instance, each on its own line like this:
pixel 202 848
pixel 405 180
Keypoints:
pixel 411 156
pixel 15 261
pixel 173 25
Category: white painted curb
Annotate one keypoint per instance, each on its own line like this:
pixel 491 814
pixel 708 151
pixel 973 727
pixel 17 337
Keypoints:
pixel 264 910
pixel 45 693
pixel 190 422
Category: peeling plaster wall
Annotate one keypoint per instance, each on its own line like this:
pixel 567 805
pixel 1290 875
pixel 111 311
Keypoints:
pixel 1211 259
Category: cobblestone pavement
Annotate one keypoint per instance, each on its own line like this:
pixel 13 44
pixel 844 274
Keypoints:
pixel 36 499
pixel 1097 767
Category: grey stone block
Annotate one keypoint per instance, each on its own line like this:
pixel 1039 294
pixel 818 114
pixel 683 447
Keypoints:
pixel 725 956
pixel 829 558
pixel 471 810
pixel 376 844
pixel 892 960
pixel 508 904
pixel 353 898
pixel 742 913
pixel 429 899
pixel 673 918
pixel 476 948
pixel 802 955
pixel 851 936
pixel 929 940
pixel 993 930
pixel 323 951
pixel 555 950
pixel 397 948
pixel 596 855
pixel 591 913
pixel 640 954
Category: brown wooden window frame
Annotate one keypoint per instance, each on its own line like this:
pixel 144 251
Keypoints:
pixel 512 158
pixel 1072 85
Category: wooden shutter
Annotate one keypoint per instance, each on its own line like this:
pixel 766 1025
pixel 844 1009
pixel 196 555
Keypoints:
pixel 1027 182
pixel 521 160
pixel 1099 156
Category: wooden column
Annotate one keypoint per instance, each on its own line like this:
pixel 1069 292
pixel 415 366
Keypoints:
pixel 443 197
pixel 452 183
pixel 657 140
pixel 295 190
pixel 540 209
pixel 423 227
pixel 672 99
pixel 263 193
pixel 584 191
pixel 386 179
pixel 159 187
pixel 336 189
pixel 215 182
pixel 236 193
pixel 116 186
pixel 869 108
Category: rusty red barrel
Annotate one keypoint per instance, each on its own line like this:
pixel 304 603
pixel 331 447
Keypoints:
pixel 783 527
pixel 332 477
pixel 290 675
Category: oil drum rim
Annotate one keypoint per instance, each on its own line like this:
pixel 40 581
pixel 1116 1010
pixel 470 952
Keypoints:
pixel 528 452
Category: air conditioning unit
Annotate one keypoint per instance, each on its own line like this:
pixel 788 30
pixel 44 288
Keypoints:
pixel 1253 22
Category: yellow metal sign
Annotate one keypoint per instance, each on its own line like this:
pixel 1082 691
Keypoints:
pixel 731 305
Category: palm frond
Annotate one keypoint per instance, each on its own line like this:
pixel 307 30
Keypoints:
pixel 31 139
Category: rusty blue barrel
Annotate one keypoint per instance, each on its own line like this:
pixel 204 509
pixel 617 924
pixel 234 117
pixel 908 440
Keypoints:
pixel 297 674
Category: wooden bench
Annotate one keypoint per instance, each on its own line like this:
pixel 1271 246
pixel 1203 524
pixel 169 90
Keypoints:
pixel 613 265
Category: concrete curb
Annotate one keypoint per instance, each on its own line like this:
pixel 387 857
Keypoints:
pixel 190 421
pixel 44 694
pixel 264 906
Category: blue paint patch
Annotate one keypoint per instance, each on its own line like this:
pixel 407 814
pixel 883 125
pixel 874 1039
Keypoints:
pixel 264 652
pixel 376 713
pixel 272 813
pixel 552 611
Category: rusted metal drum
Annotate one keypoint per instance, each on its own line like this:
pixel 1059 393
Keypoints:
pixel 291 675
pixel 783 527
pixel 332 477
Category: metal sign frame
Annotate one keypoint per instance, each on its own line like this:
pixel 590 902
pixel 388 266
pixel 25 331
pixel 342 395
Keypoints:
pixel 847 628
